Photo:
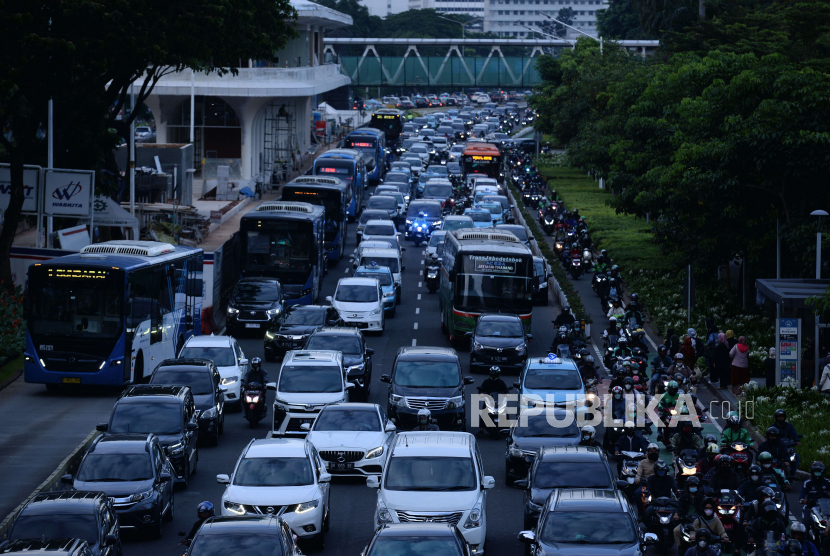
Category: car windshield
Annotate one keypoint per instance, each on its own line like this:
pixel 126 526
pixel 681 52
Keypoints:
pixel 548 425
pixel 430 474
pixel 432 210
pixel 436 239
pixel 457 149
pixel 504 329
pixel 567 474
pixel 408 143
pixel 438 190
pixel 384 278
pixel 382 202
pixel 346 344
pixel 305 316
pixel 197 379
pixel 144 418
pixel 518 231
pixel 373 215
pixel 56 526
pixel 396 177
pixel 457 224
pixel 356 294
pixel 552 379
pixel 397 545
pixel 438 169
pixel 418 149
pixel 379 229
pixel 248 292
pixel 115 468
pixel 427 374
pixel 221 356
pixel 274 472
pixel 494 208
pixel 298 379
pixel 241 543
pixel 347 419
pixel 479 215
pixel 581 528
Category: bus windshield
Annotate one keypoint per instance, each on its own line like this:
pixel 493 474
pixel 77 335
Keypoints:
pixel 483 164
pixel 284 249
pixel 491 281
pixel 75 304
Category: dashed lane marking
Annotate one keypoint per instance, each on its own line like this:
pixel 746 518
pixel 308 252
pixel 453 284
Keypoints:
pixel 419 285
pixel 419 295
pixel 416 326
pixel 417 310
pixel 414 342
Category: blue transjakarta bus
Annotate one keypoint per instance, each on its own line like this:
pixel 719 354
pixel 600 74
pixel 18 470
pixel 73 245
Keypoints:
pixel 372 143
pixel 333 195
pixel 285 240
pixel 349 166
pixel 109 314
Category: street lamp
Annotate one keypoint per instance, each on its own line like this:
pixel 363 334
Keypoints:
pixel 599 40
pixel 818 213
pixel 460 23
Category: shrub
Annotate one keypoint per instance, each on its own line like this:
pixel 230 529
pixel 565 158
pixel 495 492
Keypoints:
pixel 12 325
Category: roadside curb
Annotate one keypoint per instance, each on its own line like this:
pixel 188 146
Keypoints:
pixel 52 483
pixel 11 379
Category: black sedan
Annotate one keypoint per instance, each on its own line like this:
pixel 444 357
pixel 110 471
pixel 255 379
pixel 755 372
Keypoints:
pixel 357 357
pixel 296 325
pixel 498 340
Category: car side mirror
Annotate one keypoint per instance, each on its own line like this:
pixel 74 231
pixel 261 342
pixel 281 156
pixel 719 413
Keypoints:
pixel 223 479
pixel 469 380
pixel 488 482
pixel 243 362
pixel 521 483
pixel 468 334
pixel 329 299
pixel 324 477
pixel 517 385
pixel 622 484
pixel 369 352
pixel 390 427
pixel 527 537
pixel 373 481
pixel 403 266
pixel 386 378
pixel 271 386
pixel 529 336
pixel 165 477
pixel 223 388
pixel 102 427
pixel 193 426
pixel 349 385
pixel 66 479
pixel 306 427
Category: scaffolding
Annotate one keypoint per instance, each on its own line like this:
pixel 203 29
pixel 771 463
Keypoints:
pixel 280 141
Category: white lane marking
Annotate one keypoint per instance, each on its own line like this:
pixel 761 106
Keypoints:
pixel 414 342
pixel 422 262
pixel 417 310
pixel 419 295
pixel 421 272
pixel 419 285
pixel 416 326
pixel 346 271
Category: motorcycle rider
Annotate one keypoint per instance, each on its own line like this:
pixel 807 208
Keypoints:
pixel 581 224
pixel 576 252
pixel 587 370
pixel 494 384
pixel 601 266
pixel 775 448
pixel 661 484
pixel 686 439
pixel 734 432
pixel 669 399
pixel 425 421
pixel 613 328
pixel 748 489
pixel 588 434
pixel 765 460
pixel 707 463
pixel 752 510
pixel 256 374
pixel 707 521
pixel 617 403
pixel 723 476
pixel 787 430
pixel 814 488
pixel 633 312
pixel 680 367
pixel 619 377
pixel 769 521
pixel 616 309
pixel 629 441
pixel 799 545
pixel 570 220
pixel 645 469
pixel 565 318
pixel 622 348
pixel 614 289
pixel 203 511
pixel 691 501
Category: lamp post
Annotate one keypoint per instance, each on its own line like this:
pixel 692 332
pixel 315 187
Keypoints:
pixel 460 23
pixel 818 213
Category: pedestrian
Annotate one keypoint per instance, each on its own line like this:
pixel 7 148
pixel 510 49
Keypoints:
pixel 730 339
pixel 688 351
pixel 824 382
pixel 769 368
pixel 722 361
pixel 740 365
pixel 709 350
pixel 674 344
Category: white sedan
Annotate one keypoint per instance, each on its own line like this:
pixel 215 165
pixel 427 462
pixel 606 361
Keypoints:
pixel 359 302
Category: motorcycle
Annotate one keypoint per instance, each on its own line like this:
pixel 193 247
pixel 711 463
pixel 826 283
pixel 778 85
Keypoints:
pixel 790 445
pixel 561 338
pixel 559 246
pixel 494 412
pixel 576 267
pixel 612 434
pixel 432 277
pixel 688 538
pixel 610 344
pixel 591 393
pixel 685 465
pixel 741 457
pixel 419 232
pixel 587 259
pixel 548 224
pixel 729 510
pixel 662 523
pixel 253 396
pixel 819 515
pixel 627 470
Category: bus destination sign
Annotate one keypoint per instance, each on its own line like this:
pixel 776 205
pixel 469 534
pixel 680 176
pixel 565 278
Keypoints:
pixel 490 264
pixel 80 273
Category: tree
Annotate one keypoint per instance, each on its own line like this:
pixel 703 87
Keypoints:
pixel 363 25
pixel 85 55
pixel 658 17
pixel 566 16
pixel 621 21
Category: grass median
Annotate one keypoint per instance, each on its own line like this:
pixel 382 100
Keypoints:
pixel 10 369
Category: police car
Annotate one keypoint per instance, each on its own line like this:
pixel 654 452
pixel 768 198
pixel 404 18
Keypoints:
pixel 551 382
pixel 387 284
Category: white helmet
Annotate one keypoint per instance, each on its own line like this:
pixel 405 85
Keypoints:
pixel 589 432
pixel 652 446
pixel 678 355
pixel 423 416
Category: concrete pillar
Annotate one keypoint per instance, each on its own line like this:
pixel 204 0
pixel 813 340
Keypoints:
pixel 246 110
pixel 153 102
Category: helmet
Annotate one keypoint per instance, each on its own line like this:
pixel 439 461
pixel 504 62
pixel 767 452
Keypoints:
pixel 613 320
pixel 628 383
pixel 754 469
pixel 617 390
pixel 622 340
pixel 635 368
pixel 660 468
pixel 626 363
pixel 637 351
pixel 780 413
pixel 724 460
pixel 574 245
pixel 798 527
pixel 589 359
pixel 793 546
pixel 652 446
pixel 772 431
pixel 678 355
pixel 692 481
pixel 621 371
pixel 817 470
pixel 495 372
pixel 769 509
pixel 615 267
pixel 673 386
pixel 765 459
pixel 712 449
pixel 734 421
pixel 710 439
pixel 632 409
pixel 634 297
pixel 603 253
pixel 662 348
pixel 703 536
pixel 588 432
pixel 632 304
pixel 764 492
pixel 679 378
pixel 423 416
pixel 204 510
pixel 256 363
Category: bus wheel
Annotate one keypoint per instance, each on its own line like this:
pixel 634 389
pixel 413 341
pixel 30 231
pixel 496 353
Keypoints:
pixel 138 373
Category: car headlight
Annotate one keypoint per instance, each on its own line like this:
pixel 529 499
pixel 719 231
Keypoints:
pixel 232 311
pixel 456 402
pixel 234 508
pixel 476 517
pixel 141 496
pixel 228 380
pixel 477 346
pixel 397 401
pixel 384 515
pixel 514 451
pixel 306 507
pixel 355 368
pixel 374 453
pixel 269 335
pixel 208 414
pixel 375 311
pixel 274 311
pixel 175 449
pixel 388 294
pixel 520 348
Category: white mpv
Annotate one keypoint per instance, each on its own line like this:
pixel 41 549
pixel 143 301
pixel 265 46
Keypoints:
pixel 435 477
pixel 359 302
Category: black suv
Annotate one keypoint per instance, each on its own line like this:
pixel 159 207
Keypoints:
pixel 427 377
pixel 563 467
pixel 498 340
pixel 46 547
pixel 258 536
pixel 357 357
pixel 134 472
pixel 169 412
pixel 203 378
pixel 88 516
pixel 255 303
pixel 295 326
pixel 535 433
pixel 417 538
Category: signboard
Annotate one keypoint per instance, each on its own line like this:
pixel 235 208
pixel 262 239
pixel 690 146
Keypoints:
pixel 320 128
pixel 324 170
pixel 216 217
pixel 359 144
pixel 31 183
pixel 486 264
pixel 68 192
pixel 480 157
pixel 385 116
pixel 788 351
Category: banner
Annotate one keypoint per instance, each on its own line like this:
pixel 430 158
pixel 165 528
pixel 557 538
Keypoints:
pixel 31 182
pixel 68 192
pixel 788 353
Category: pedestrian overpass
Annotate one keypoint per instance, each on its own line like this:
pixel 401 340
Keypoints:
pixel 453 65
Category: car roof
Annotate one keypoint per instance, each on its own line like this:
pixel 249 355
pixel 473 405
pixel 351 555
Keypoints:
pixel 42 546
pixel 373 269
pixel 427 350
pixel 500 317
pixel 384 222
pixel 337 331
pixel 256 279
pixel 415 529
pixel 66 502
pixel 582 454
pixel 586 500
pixel 357 282
pixel 308 308
pixel 162 391
pixel 380 251
pixel 276 447
pixel 243 525
pixel 559 363
pixel 121 444
pixel 433 443
pixel 353 406
pixel 313 355
pixel 209 341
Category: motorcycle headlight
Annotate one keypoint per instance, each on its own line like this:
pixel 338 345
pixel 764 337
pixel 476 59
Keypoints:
pixel 397 401
pixel 664 519
pixel 234 508
pixel 141 496
pixel 228 380
pixel 175 449
pixel 252 399
pixel 306 507
pixel 456 402
pixel 232 311
pixel 419 229
pixel 374 453
pixel 209 413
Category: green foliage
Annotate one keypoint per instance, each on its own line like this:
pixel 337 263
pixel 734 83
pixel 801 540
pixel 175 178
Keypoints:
pixel 658 17
pixel 621 21
pixel 12 325
pixel 363 24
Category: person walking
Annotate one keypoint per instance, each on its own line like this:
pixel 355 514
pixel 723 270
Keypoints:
pixel 722 361
pixel 740 365
pixel 730 339
pixel 769 368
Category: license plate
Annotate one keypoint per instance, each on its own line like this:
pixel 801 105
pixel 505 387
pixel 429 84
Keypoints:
pixel 68 380
pixel 341 466
pixel 286 344
pixel 251 325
